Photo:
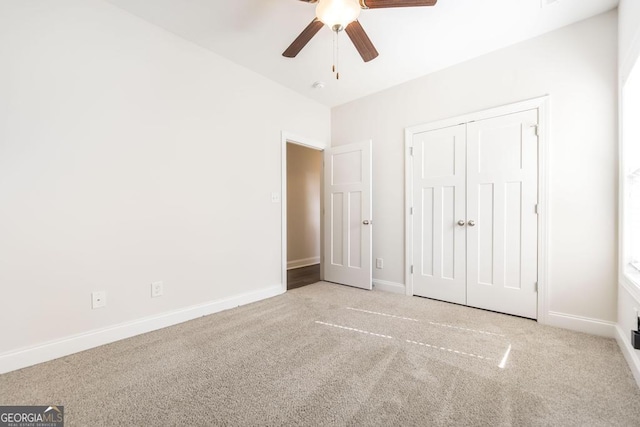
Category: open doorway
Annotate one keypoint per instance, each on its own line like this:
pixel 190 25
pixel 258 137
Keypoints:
pixel 304 177
pixel 302 204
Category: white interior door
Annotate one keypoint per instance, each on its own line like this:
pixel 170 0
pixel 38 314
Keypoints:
pixel 502 222
pixel 347 215
pixel 438 205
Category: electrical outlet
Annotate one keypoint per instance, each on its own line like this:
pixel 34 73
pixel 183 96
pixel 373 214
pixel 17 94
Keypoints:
pixel 157 289
pixel 275 197
pixel 98 299
pixel 379 263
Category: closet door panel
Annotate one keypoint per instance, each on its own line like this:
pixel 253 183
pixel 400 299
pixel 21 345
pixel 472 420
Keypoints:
pixel 439 203
pixel 502 193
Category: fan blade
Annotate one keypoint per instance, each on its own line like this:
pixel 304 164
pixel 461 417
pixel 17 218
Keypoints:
pixel 302 40
pixel 379 4
pixel 361 41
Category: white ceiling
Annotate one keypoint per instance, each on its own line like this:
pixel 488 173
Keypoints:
pixel 412 41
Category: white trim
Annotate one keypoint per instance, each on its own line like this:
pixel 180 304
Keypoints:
pixel 621 180
pixel 630 354
pixel 628 291
pixel 542 104
pixel 587 325
pixel 29 356
pixel 304 262
pixel 631 275
pixel 630 58
pixel 408 204
pixel 286 137
pixel 544 208
pixel 630 287
pixel 516 107
pixel 385 286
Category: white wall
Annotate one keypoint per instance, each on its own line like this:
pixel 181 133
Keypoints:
pixel 128 155
pixel 304 173
pixel 576 66
pixel 628 293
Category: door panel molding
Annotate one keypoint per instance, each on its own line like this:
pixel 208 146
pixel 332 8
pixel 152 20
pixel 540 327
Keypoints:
pixel 542 105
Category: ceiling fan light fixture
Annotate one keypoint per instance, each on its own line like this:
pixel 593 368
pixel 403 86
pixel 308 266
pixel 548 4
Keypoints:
pixel 337 14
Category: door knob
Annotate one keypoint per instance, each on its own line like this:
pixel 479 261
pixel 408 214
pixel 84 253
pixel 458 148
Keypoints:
pixel 472 223
pixel 366 222
pixel 461 223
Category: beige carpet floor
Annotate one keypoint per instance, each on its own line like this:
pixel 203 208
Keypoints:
pixel 331 355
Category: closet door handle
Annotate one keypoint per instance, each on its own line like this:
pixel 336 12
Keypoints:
pixel 472 223
pixel 461 223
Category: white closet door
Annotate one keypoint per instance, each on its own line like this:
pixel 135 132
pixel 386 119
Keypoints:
pixel 347 218
pixel 439 204
pixel 502 224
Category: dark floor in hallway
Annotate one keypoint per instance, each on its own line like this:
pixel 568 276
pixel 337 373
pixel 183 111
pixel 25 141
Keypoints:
pixel 303 276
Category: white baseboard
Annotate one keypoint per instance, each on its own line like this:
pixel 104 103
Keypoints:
pixel 304 262
pixel 393 287
pixel 581 324
pixel 63 347
pixel 630 354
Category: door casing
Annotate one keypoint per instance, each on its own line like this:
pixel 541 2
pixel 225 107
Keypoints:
pixel 542 105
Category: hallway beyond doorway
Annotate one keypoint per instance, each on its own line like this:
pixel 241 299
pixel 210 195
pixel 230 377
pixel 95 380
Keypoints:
pixel 299 277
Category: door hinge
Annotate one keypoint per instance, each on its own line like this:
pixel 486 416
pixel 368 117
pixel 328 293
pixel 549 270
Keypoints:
pixel 412 269
pixel 535 287
pixel 535 130
pixel 411 210
pixel 411 151
pixel 536 209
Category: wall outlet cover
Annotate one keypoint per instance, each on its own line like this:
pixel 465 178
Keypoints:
pixel 157 289
pixel 98 299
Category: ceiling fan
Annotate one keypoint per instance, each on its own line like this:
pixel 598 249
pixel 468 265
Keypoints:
pixel 343 15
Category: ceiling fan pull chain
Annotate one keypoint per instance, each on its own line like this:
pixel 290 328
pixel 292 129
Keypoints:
pixel 333 52
pixel 337 56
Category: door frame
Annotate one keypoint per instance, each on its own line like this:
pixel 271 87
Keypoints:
pixel 542 105
pixel 291 138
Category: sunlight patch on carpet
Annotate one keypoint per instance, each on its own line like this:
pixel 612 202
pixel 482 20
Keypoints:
pixel 503 362
pixel 450 350
pixel 353 329
pixel 382 314
pixel 444 325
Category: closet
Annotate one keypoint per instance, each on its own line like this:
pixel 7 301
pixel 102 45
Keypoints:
pixel 473 201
